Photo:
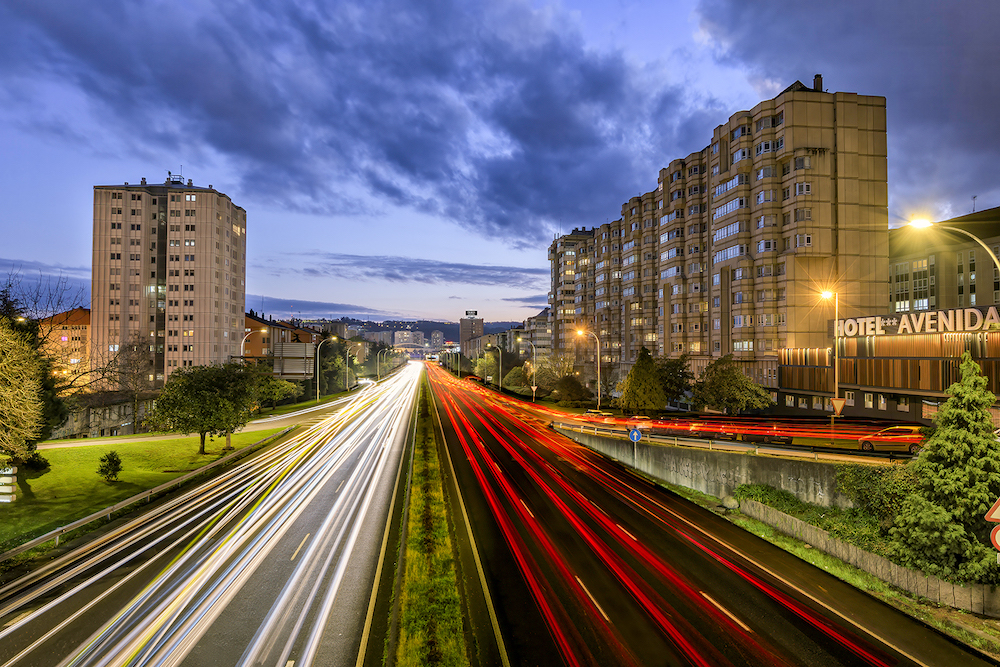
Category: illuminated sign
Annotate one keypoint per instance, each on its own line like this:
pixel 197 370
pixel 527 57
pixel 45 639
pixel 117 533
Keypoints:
pixel 956 320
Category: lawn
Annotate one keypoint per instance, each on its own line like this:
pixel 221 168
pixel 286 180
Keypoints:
pixel 71 489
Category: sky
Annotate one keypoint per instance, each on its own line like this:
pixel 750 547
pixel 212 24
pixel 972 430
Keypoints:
pixel 413 160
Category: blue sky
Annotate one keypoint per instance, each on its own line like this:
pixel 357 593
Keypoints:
pixel 414 159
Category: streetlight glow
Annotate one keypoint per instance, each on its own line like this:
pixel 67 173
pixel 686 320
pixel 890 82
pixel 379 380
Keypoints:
pixel 920 223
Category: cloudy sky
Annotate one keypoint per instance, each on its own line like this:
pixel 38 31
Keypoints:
pixel 408 159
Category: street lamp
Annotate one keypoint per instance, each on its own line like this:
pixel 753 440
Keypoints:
pixel 317 363
pixel 499 367
pixel 836 347
pixel 378 373
pixel 534 364
pixel 581 332
pixel 242 342
pixel 923 223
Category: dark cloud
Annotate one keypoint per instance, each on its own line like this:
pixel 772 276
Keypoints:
pixel 535 301
pixel 934 62
pixel 489 113
pixel 283 309
pixel 409 270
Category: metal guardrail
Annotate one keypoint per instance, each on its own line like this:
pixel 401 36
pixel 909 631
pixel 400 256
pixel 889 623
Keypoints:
pixel 145 495
pixel 729 445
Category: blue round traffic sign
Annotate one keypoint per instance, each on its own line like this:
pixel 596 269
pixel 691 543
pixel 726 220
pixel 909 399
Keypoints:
pixel 635 435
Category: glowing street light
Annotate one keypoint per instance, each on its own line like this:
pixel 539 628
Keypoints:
pixel 836 351
pixel 243 342
pixel 923 223
pixel 581 332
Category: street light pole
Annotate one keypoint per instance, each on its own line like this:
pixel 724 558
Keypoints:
pixel 836 347
pixel 499 367
pixel 534 364
pixel 922 224
pixel 317 364
pixel 243 342
pixel 597 361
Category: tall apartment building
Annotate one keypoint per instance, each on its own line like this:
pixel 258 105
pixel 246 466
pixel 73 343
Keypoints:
pixel 469 328
pixel 169 266
pixel 730 252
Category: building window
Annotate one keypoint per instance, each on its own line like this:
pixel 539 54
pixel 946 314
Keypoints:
pixel 881 401
pixel 803 214
pixel 803 189
pixel 903 403
pixel 869 400
pixel 803 240
pixel 849 398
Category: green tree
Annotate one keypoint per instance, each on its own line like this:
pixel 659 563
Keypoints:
pixel 725 387
pixel 551 368
pixel 941 528
pixel 641 390
pixel 516 378
pixel 21 406
pixel 271 390
pixel 569 388
pixel 675 375
pixel 207 400
pixel 110 466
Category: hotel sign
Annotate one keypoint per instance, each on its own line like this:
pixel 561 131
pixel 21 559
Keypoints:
pixel 956 320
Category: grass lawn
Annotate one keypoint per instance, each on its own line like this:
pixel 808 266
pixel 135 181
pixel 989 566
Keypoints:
pixel 70 487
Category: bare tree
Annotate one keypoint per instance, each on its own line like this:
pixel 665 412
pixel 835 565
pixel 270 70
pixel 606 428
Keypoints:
pixel 134 366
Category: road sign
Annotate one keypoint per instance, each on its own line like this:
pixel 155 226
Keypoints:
pixel 7 499
pixel 994 515
pixel 7 489
pixel 635 435
pixel 8 479
pixel 838 405
pixel 8 471
pixel 534 387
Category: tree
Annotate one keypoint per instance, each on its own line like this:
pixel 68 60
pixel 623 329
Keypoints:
pixel 725 387
pixel 207 400
pixel 569 388
pixel 111 465
pixel 609 378
pixel 134 366
pixel 941 528
pixel 516 378
pixel 641 390
pixel 551 368
pixel 272 390
pixel 21 407
pixel 675 376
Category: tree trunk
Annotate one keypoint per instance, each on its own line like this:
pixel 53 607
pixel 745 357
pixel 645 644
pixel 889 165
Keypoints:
pixel 201 450
pixel 229 440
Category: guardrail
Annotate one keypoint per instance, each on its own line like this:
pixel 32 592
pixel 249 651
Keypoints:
pixel 730 445
pixel 144 495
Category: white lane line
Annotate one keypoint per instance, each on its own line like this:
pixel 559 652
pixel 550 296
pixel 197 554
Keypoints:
pixel 339 486
pixel 300 546
pixel 726 612
pixel 527 510
pixel 592 599
pixel 621 528
pixel 290 663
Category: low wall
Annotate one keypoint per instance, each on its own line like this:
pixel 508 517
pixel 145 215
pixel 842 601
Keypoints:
pixel 977 598
pixel 718 473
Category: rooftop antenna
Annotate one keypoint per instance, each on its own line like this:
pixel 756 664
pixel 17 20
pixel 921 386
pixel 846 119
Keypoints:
pixel 973 203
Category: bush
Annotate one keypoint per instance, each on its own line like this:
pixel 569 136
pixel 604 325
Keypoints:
pixel 111 465
pixel 877 490
pixel 34 461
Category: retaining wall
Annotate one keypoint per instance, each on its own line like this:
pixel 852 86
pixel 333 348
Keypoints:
pixel 718 473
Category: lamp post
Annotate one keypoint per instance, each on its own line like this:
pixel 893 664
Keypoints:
pixel 243 342
pixel 581 332
pixel 378 372
pixel 499 366
pixel 534 365
pixel 921 223
pixel 836 347
pixel 317 363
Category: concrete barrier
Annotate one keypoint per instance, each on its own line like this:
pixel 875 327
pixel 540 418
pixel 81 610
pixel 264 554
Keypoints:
pixel 718 473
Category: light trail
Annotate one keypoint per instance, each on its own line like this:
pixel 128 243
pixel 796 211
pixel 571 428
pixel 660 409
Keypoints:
pixel 199 552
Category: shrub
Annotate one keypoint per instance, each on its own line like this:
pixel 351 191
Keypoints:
pixel 877 490
pixel 111 465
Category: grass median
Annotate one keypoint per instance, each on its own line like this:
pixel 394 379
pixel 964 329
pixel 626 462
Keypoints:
pixel 430 607
pixel 70 488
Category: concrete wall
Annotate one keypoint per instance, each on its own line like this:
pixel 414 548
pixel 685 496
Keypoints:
pixel 977 598
pixel 718 473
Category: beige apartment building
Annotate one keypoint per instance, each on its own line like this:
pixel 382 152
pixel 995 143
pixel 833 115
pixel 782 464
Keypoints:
pixel 731 250
pixel 65 340
pixel 169 266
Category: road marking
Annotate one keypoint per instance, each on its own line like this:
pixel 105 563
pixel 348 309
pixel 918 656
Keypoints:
pixel 339 486
pixel 726 612
pixel 527 510
pixel 626 532
pixel 290 663
pixel 300 546
pixel 592 599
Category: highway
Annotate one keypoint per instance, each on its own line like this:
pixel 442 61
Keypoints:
pixel 270 563
pixel 581 562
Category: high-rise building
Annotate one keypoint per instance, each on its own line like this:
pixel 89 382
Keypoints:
pixel 469 328
pixel 730 252
pixel 169 268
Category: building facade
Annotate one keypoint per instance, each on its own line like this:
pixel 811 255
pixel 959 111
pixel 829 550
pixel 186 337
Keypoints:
pixel 469 328
pixel 169 267
pixel 65 339
pixel 730 252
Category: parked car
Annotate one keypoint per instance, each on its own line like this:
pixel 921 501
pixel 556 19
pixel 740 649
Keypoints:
pixel 640 421
pixel 894 438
